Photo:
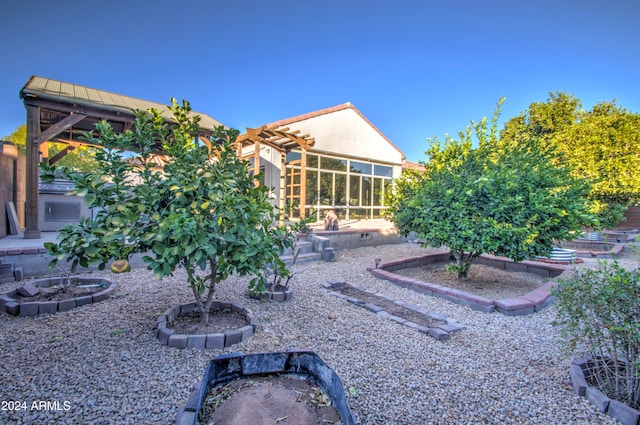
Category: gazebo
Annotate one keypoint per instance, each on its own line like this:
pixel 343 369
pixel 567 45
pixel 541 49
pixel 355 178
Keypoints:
pixel 61 112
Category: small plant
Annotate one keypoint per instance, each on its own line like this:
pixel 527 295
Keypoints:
pixel 599 309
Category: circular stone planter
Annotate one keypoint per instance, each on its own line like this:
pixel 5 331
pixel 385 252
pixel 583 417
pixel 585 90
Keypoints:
pixel 216 340
pixel 16 302
pixel 579 369
pixel 275 295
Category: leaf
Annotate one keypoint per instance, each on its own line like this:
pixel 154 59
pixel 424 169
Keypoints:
pixel 57 338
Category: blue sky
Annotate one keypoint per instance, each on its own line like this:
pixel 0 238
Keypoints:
pixel 415 69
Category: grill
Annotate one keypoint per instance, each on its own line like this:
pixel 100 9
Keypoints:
pixel 56 209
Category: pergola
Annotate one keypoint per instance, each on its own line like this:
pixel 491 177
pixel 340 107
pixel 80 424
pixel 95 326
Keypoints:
pixel 283 140
pixel 61 112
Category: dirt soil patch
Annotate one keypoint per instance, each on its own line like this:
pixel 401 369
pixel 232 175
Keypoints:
pixel 482 280
pixel 59 292
pixel 268 400
pixel 219 322
pixel 391 307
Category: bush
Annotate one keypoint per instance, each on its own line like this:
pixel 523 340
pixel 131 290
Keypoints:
pixel 599 309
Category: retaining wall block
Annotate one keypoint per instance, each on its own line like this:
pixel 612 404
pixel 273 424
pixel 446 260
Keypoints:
pixel 66 305
pixel 215 341
pixel 439 334
pixel 232 337
pixel 623 413
pixel 177 341
pixel 577 380
pixel 29 309
pixel 164 334
pixel 246 332
pixel 12 308
pixel 597 398
pixel 86 299
pixel 196 341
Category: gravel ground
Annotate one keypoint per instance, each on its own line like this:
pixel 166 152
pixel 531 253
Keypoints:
pixel 101 364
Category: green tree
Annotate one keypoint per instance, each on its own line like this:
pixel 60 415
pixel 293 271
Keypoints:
pixel 601 145
pixel 80 159
pixel 198 214
pixel 500 197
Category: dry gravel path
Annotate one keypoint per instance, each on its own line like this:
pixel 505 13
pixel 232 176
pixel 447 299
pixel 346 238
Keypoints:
pixel 103 365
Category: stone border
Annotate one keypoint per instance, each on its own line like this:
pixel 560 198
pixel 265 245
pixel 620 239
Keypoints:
pixel 529 303
pixel 204 341
pixel 440 332
pixel 275 296
pixel 13 307
pixel 613 408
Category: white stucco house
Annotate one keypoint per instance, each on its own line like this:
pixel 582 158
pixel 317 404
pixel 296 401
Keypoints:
pixel 348 165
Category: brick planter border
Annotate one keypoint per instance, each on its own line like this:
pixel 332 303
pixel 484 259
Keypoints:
pixel 32 308
pixel 280 296
pixel 441 332
pixel 529 303
pixel 218 340
pixel 613 408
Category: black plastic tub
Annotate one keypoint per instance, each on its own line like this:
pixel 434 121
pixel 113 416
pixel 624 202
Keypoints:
pixel 228 367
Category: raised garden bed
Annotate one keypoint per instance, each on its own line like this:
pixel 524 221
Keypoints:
pixel 49 296
pixel 245 403
pixel 407 314
pixel 528 303
pixel 212 339
pixel 580 368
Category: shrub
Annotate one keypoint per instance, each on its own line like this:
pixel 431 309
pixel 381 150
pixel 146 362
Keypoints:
pixel 599 309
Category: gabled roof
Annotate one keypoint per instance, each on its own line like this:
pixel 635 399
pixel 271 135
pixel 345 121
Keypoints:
pixel 61 92
pixel 344 106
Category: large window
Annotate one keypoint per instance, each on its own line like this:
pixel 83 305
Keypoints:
pixel 356 189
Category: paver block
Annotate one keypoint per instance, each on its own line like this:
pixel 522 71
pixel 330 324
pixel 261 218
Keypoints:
pixel 29 309
pixel 215 341
pixel 100 296
pixel 86 299
pixel 246 332
pixel 188 308
pixel 196 341
pixel 518 312
pixel 66 305
pixel 164 334
pixel 509 304
pixel 516 267
pixel 398 319
pixel 439 334
pixel 232 337
pixel 597 398
pixel 577 380
pixel 373 308
pixel 623 413
pixel 177 341
pixel 28 290
pixel 12 308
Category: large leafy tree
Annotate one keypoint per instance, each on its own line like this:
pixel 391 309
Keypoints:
pixel 499 197
pixel 204 211
pixel 601 145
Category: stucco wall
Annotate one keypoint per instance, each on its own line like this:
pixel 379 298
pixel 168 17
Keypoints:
pixel 345 133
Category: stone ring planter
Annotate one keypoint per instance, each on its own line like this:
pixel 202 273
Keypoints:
pixel 275 295
pixel 217 340
pixel 10 301
pixel 300 364
pixel 613 408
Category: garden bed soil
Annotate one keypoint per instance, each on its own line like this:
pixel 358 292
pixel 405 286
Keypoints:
pixel 59 293
pixel 482 280
pixel 219 322
pixel 278 399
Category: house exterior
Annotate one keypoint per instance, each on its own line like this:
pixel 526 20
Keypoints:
pixel 349 167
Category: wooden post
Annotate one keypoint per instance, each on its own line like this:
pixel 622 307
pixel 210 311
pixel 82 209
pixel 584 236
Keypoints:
pixel 283 183
pixel 256 161
pixel 32 230
pixel 303 183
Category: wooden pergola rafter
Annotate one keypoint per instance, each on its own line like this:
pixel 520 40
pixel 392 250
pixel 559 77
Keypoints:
pixel 61 112
pixel 283 140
